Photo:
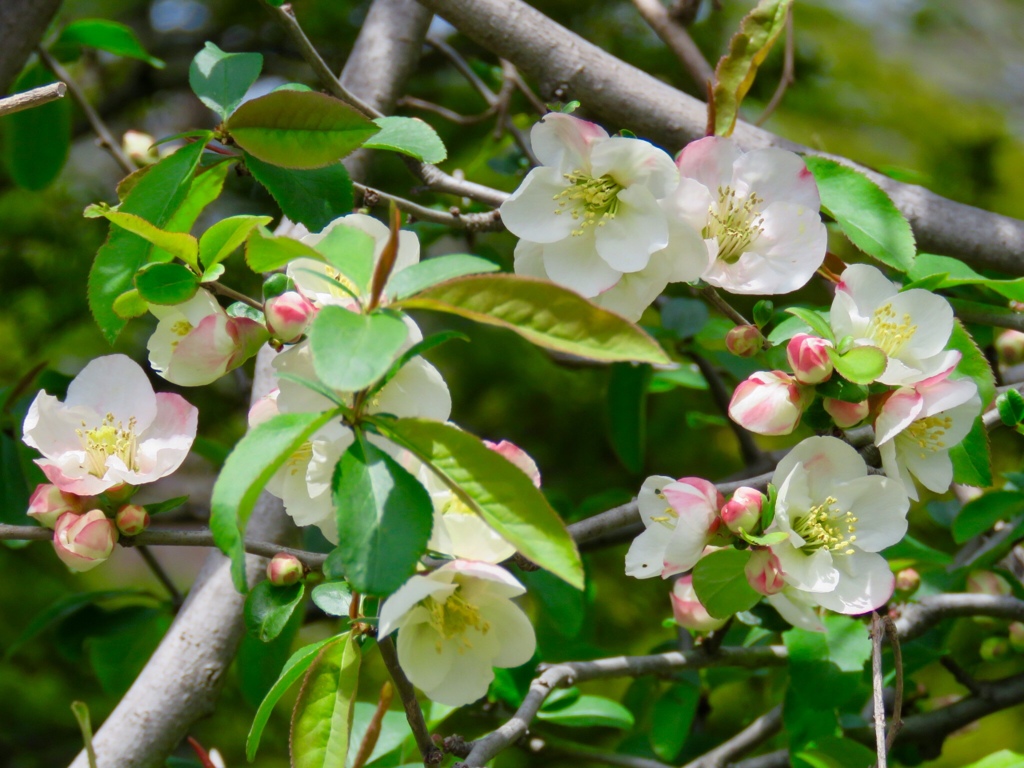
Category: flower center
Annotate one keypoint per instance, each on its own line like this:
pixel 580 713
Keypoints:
pixel 456 506
pixel 927 433
pixel 109 439
pixel 453 617
pixel 888 333
pixel 825 527
pixel 670 518
pixel 735 225
pixel 590 201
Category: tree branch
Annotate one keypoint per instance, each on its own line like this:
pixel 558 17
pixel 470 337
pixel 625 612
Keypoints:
pixel 763 728
pixel 675 36
pixel 878 689
pixel 918 618
pixel 428 750
pixel 34 98
pixel 623 95
pixel 471 222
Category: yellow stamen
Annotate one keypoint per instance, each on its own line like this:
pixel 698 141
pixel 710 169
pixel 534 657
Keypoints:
pixel 453 618
pixel 736 223
pixel 889 334
pixel 591 202
pixel 824 527
pixel 109 439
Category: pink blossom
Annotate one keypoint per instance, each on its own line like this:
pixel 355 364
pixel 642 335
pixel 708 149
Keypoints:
pixel 743 510
pixel 84 541
pixel 845 414
pixel 744 340
pixel 132 519
pixel 49 503
pixel 688 610
pixel 809 359
pixel 768 403
pixel 284 569
pixel 288 315
pixel 764 572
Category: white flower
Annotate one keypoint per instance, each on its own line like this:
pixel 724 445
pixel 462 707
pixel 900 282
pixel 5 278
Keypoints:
pixel 458 530
pixel 911 327
pixel 681 518
pixel 318 281
pixel 769 403
pixel 798 608
pixel 757 212
pixel 454 625
pixel 111 429
pixel 196 342
pixel 591 218
pixel 304 482
pixel 838 518
pixel 918 425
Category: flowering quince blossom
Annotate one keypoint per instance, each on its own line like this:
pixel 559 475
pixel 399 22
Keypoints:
pixel 589 217
pixel 304 482
pixel 110 430
pixel 743 510
pixel 769 403
pixel 917 426
pixel 681 518
pixel 288 315
pixel 688 610
pixel 454 625
pixel 318 281
pixel 84 541
pixel 197 342
pixel 757 213
pixel 911 328
pixel 49 503
pixel 838 518
pixel 458 530
pixel 809 359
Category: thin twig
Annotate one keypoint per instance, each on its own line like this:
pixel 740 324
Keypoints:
pixel 675 36
pixel 34 98
pixel 231 293
pixel 762 729
pixel 462 65
pixel 472 222
pixel 753 457
pixel 428 106
pixel 428 749
pixel 712 296
pixel 877 687
pixel 535 101
pixel 106 138
pixel 961 675
pixel 592 755
pixel 372 734
pixel 788 70
pixel 897 658
pixel 158 570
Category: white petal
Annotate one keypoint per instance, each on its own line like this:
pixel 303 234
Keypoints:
pixel 424 656
pixel 465 684
pixel 776 175
pixel 866 287
pixel 880 506
pixel 690 204
pixel 416 391
pixel 794 607
pixel 532 211
pixel 634 162
pixel 529 260
pixel 636 291
pixel 827 460
pixel 575 263
pixel 649 502
pixel 894 468
pixel 114 384
pixel 931 314
pixel 866 584
pixel 51 427
pixel 898 412
pixel 638 228
pixel 934 469
pixel 948 394
pixel 513 630
pixel 710 161
pixel 405 598
pixel 469 537
pixel 565 142
pixel 686 252
pixel 810 573
pixel 164 445
pixel 646 556
pixel 482 581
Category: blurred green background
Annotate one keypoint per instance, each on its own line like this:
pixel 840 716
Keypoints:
pixel 926 90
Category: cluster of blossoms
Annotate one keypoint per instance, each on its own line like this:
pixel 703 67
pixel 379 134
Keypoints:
pixel 615 219
pixel 111 434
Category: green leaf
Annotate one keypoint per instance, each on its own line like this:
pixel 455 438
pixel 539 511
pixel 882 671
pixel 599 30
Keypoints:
pixel 588 711
pixel 864 213
pixel 671 719
pixel 721 584
pixel 1002 759
pixel 254 460
pixel 322 719
pixel 221 240
pixel 268 608
pixel 684 317
pixel 543 313
pixel 350 350
pixel 687 375
pixel 819 324
pixel 259 664
pixel 762 313
pixel 410 136
pixel 37 140
pixel 384 519
pixel 351 251
pixel 166 283
pixel 834 752
pixel 294 668
pixel 130 304
pixel 333 598
pixel 495 489
pixel 973 362
pixel 220 79
pixel 106 36
pixel 1011 407
pixel 178 244
pixel 265 253
pixel 313 197
pixel 424 274
pixel 747 51
pixel 972 459
pixel 158 507
pixel 626 409
pixel 849 643
pixel 204 189
pixel 155 197
pixel 859 365
pixel 979 515
pixel 118 652
pixel 946 272
pixel 840 389
pixel 298 129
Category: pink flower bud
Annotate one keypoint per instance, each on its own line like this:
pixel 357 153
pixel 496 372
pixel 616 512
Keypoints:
pixel 764 572
pixel 1010 347
pixel 808 356
pixel 769 403
pixel 84 541
pixel 48 503
pixel 907 582
pixel 1016 630
pixel 744 340
pixel 284 569
pixel 743 510
pixel 288 315
pixel 988 583
pixel 132 519
pixel 845 414
pixel 139 148
pixel 688 610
